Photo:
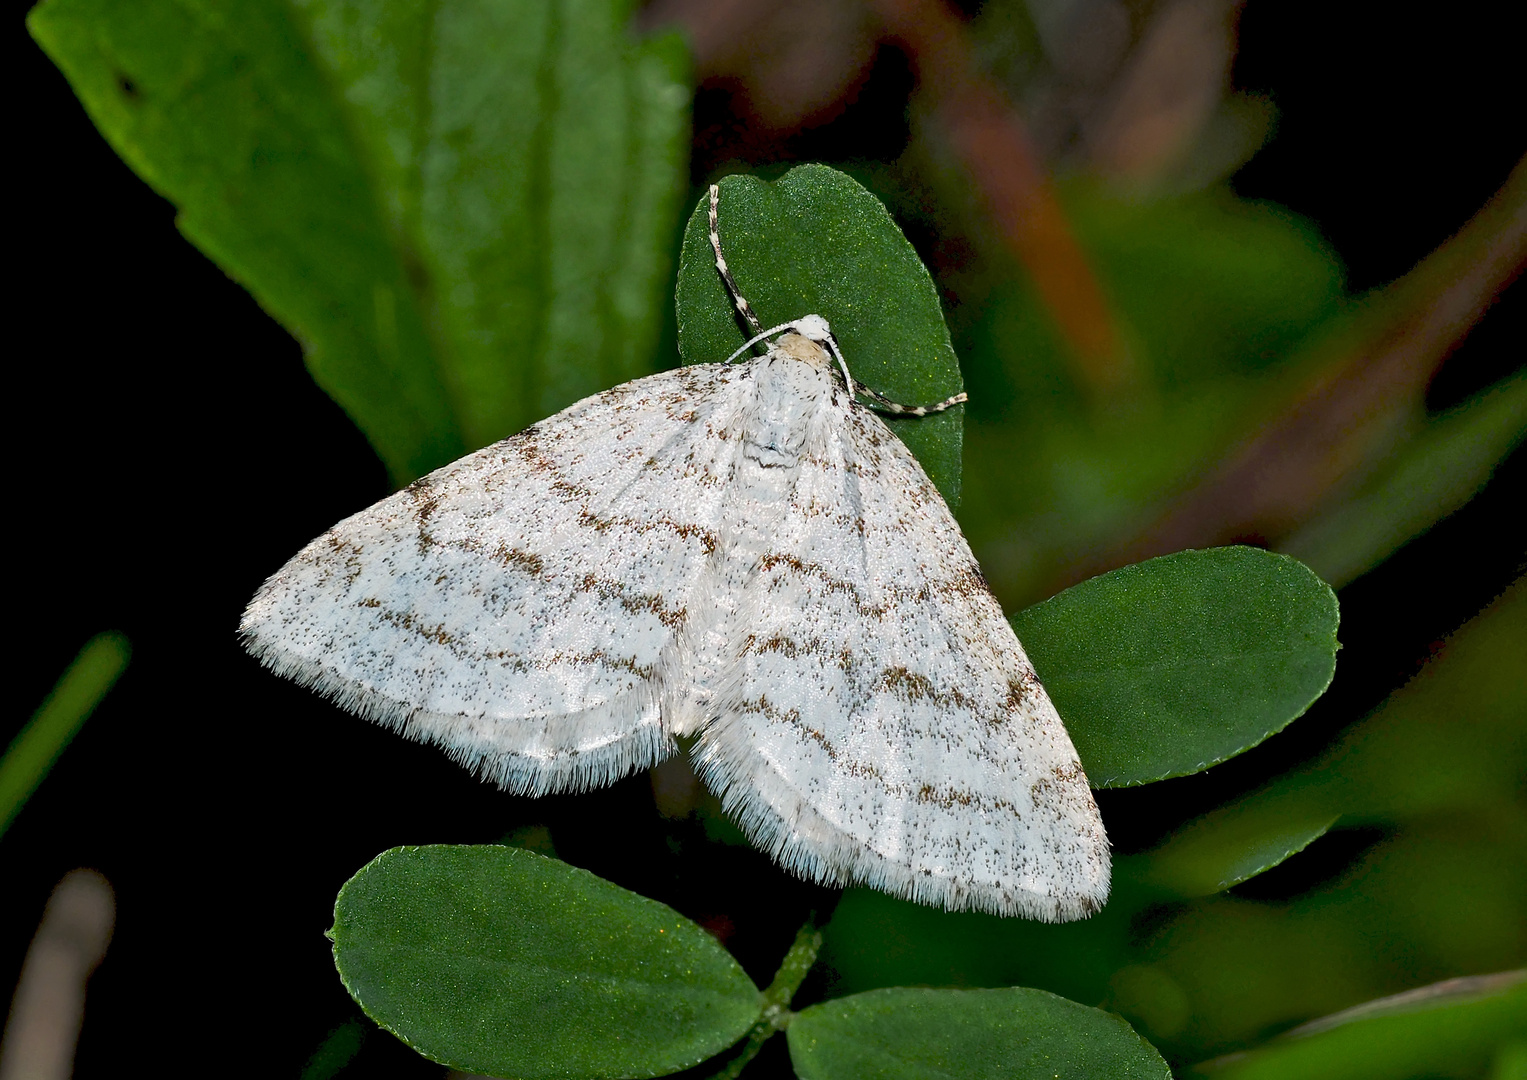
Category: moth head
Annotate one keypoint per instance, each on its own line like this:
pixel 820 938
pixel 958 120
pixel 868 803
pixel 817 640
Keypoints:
pixel 811 328
pixel 814 328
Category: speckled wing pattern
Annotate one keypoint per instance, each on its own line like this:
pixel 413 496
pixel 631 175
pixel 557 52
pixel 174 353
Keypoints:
pixel 917 752
pixel 514 606
pixel 739 554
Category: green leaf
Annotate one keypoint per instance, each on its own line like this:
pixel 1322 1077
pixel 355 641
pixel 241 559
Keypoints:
pixel 1438 767
pixel 817 243
pixel 500 961
pixel 1447 742
pixel 1452 1029
pixel 1013 1033
pixel 58 719
pixel 1172 665
pixel 1443 468
pixel 1210 856
pixel 459 209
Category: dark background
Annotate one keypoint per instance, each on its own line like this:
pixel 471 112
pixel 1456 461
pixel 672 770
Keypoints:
pixel 169 451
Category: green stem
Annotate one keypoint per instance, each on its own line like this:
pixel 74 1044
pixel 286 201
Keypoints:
pixel 776 998
pixel 56 721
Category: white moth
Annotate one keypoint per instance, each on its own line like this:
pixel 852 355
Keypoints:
pixel 740 553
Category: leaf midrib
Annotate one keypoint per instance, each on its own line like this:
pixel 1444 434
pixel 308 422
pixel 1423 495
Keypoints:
pixel 1095 674
pixel 549 972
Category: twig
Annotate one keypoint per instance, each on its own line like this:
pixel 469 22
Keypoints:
pixel 44 1025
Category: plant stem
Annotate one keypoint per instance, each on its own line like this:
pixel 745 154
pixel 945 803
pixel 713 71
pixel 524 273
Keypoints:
pixel 776 1011
pixel 79 690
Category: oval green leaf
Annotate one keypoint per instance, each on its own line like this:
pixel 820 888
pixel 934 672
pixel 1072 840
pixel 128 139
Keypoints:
pixel 497 960
pixel 1172 665
pixel 1013 1033
pixel 461 210
pixel 817 243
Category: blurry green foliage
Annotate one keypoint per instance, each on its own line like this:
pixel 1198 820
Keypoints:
pixel 1437 898
pixel 1212 292
pixel 1444 465
pixel 1229 308
pixel 1510 1060
pixel 875 940
pixel 1468 1032
pixel 1208 287
pixel 1208 861
pixel 336 1051
pixel 461 211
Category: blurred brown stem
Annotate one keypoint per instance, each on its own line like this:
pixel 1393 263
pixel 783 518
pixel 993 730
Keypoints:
pixel 1462 988
pixel 49 1006
pixel 991 141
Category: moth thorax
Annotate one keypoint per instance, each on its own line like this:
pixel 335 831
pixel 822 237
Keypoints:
pixel 799 347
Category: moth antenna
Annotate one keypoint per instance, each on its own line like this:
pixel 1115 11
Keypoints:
pixel 726 274
pixel 832 343
pixel 815 328
pixel 759 333
pixel 895 408
pixel 756 338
